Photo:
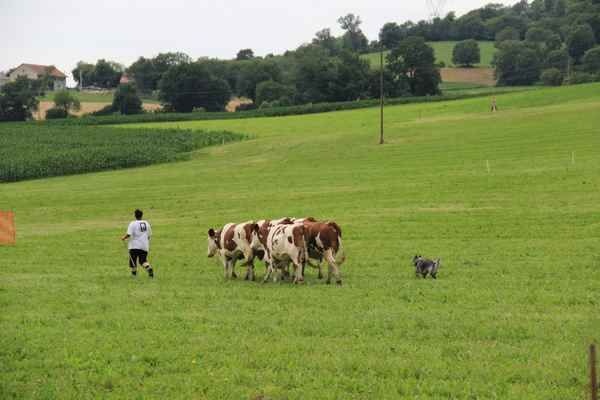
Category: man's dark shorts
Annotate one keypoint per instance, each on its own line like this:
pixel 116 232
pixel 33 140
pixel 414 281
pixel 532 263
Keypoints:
pixel 137 256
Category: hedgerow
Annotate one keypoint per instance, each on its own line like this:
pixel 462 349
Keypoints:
pixel 29 151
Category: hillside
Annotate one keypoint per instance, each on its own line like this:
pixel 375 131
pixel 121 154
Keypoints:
pixel 443 53
pixel 510 316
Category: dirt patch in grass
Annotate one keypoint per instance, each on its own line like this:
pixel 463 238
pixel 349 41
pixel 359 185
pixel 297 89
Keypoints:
pixel 482 76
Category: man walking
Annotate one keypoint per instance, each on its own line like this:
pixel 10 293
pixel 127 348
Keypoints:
pixel 139 233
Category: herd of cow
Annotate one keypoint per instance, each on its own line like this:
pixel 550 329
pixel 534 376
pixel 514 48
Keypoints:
pixel 299 241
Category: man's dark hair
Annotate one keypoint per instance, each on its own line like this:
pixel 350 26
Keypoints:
pixel 138 214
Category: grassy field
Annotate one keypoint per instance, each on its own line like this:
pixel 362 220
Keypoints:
pixel 443 53
pixel 510 316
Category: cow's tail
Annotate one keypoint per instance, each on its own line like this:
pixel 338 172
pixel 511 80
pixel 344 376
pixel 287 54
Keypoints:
pixel 336 227
pixel 340 255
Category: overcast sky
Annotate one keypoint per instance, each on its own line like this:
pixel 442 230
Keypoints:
pixel 62 32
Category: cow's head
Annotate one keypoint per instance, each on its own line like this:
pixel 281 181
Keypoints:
pixel 213 242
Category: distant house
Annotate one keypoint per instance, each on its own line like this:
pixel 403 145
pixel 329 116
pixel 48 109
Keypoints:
pixel 56 79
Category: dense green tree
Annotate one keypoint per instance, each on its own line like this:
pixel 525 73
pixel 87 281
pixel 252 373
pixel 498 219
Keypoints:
pixel 391 35
pixel 87 73
pixel 591 60
pixel 269 91
pixel 326 40
pixel 579 40
pixel 190 85
pixel 558 59
pixel 538 35
pixel 393 86
pixel 126 99
pixel 353 39
pixel 107 74
pixel 466 53
pixel 163 61
pixel 516 64
pixel 244 54
pixel 508 33
pixel 414 61
pixel 315 69
pixel 471 26
pixel 66 101
pixel 18 99
pixel 352 78
pixel 145 74
pixel 252 72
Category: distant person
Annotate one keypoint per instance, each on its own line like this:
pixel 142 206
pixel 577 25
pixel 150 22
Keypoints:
pixel 494 107
pixel 139 233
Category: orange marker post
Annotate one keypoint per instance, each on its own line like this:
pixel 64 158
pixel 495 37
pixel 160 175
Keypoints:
pixel 8 230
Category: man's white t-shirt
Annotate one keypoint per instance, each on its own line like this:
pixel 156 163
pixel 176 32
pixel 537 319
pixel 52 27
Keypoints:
pixel 139 235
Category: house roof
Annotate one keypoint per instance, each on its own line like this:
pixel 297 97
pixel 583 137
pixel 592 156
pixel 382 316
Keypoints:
pixel 43 69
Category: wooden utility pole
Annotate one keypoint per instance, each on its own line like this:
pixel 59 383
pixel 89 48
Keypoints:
pixel 593 376
pixel 381 95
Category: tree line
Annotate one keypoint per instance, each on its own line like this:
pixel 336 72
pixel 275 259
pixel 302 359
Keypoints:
pixel 551 41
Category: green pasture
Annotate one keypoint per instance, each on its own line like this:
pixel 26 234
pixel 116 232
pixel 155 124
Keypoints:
pixel 443 53
pixel 509 317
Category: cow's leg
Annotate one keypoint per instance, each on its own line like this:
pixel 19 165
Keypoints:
pixel 225 267
pixel 271 270
pixel 299 269
pixel 316 266
pixel 232 274
pixel 333 267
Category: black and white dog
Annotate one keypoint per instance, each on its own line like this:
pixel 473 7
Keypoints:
pixel 425 266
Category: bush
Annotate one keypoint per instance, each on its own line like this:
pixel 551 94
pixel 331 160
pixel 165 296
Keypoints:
pixel 558 59
pixel 577 78
pixel 552 77
pixel 591 60
pixel 126 100
pixel 66 101
pixel 56 113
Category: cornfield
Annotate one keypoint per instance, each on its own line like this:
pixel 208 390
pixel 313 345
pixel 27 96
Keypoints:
pixel 29 151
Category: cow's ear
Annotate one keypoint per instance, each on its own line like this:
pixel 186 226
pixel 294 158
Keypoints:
pixel 211 232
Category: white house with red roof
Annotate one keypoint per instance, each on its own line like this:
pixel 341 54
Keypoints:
pixel 57 79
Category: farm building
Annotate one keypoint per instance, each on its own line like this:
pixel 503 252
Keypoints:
pixel 57 79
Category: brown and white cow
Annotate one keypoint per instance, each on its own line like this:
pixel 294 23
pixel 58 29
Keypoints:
pixel 285 243
pixel 324 241
pixel 264 227
pixel 232 243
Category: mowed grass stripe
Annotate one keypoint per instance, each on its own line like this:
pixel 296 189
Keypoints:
pixel 510 316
